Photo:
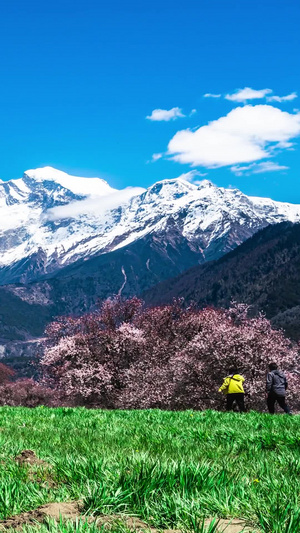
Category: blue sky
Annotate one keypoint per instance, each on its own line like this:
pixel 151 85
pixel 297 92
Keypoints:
pixel 79 79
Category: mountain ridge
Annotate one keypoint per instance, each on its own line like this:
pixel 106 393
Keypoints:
pixel 49 224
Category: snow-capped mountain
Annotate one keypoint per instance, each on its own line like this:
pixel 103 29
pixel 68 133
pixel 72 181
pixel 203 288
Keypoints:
pixel 49 220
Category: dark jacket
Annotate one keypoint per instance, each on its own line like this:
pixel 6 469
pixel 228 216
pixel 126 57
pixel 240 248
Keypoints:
pixel 276 382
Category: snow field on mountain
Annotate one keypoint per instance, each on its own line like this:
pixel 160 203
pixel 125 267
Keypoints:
pixel 67 218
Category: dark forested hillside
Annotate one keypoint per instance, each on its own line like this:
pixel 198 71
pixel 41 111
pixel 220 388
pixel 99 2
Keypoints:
pixel 264 271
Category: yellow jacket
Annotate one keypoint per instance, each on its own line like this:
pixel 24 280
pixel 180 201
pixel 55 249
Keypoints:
pixel 232 384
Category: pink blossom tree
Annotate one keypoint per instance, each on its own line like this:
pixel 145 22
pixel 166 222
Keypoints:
pixel 24 391
pixel 27 393
pixel 169 357
pixel 6 373
pixel 86 357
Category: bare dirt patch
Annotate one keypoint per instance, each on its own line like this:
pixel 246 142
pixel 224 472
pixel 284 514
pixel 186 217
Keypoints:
pixel 28 457
pixel 133 523
pixel 232 526
pixel 67 510
pixel 74 510
pixel 39 471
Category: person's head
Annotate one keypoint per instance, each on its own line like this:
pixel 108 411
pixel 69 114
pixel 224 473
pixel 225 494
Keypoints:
pixel 273 366
pixel 233 370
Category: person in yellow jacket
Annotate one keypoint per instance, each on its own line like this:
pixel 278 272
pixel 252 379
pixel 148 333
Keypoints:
pixel 234 390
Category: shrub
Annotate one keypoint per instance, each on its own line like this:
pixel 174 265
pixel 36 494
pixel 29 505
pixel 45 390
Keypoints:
pixel 27 393
pixel 6 373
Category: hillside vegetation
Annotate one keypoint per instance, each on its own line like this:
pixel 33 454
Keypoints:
pixel 264 272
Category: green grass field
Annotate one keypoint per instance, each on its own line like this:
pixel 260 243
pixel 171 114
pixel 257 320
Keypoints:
pixel 170 469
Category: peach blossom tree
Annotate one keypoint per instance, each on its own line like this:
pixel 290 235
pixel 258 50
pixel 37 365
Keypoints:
pixel 128 356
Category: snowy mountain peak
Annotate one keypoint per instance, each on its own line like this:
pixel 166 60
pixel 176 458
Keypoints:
pixel 49 219
pixel 204 184
pixel 177 182
pixel 77 185
pixel 168 190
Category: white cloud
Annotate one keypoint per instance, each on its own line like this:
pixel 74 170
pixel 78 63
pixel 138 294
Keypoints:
pixel 287 98
pixel 166 115
pixel 246 134
pixel 192 176
pixel 211 95
pixel 268 166
pixel 193 112
pixel 258 168
pixel 93 206
pixel 242 95
pixel 155 157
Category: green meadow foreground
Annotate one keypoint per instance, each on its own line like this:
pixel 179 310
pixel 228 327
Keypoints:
pixel 169 469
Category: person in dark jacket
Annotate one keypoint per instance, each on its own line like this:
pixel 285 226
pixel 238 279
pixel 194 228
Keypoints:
pixel 276 389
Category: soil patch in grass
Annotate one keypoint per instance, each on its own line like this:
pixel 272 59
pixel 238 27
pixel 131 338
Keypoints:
pixel 71 511
pixel 67 510
pixel 39 471
pixel 28 457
